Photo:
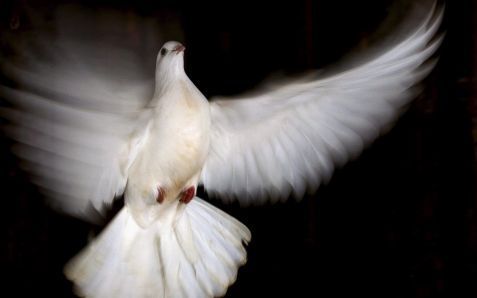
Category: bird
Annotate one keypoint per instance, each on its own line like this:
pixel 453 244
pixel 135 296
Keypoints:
pixel 85 144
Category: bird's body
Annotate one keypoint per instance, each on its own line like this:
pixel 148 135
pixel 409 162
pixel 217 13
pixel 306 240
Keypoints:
pixel 173 151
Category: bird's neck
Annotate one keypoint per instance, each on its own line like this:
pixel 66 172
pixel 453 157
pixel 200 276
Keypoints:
pixel 167 81
pixel 169 89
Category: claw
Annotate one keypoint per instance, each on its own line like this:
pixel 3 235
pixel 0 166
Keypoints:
pixel 187 195
pixel 161 193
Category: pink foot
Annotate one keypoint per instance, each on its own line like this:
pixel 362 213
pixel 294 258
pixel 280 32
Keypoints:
pixel 161 193
pixel 187 195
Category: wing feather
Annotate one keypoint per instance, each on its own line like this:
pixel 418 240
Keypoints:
pixel 290 140
pixel 75 105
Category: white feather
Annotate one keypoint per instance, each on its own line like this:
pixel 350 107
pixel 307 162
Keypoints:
pixel 291 139
pixel 88 131
pixel 195 253
pixel 79 123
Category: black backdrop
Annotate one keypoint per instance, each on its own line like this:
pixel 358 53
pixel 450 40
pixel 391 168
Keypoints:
pixel 398 222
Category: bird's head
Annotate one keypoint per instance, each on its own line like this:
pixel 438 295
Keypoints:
pixel 170 62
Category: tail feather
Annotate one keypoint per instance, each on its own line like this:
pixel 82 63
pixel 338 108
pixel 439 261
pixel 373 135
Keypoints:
pixel 195 255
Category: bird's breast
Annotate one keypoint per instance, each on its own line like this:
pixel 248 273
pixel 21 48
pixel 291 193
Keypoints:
pixel 177 144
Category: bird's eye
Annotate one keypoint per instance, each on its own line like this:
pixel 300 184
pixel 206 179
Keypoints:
pixel 163 51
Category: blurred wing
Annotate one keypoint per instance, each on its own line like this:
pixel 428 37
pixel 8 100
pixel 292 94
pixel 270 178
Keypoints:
pixel 290 140
pixel 76 107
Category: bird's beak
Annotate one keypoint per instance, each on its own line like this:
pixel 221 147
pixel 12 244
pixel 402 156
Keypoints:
pixel 179 48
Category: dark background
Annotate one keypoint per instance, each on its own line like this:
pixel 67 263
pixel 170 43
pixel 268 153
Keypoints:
pixel 398 222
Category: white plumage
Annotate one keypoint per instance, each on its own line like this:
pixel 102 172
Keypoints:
pixel 86 138
pixel 290 140
pixel 194 254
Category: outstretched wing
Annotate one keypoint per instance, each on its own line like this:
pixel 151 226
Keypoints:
pixel 291 139
pixel 75 104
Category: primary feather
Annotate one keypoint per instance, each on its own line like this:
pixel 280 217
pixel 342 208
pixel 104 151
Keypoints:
pixel 291 139
pixel 78 128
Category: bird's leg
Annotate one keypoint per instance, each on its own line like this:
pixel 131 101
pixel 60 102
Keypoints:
pixel 161 193
pixel 187 195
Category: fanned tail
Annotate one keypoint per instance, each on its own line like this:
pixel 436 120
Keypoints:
pixel 196 255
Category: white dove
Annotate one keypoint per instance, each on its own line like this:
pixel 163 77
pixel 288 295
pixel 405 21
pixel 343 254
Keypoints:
pixel 165 242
